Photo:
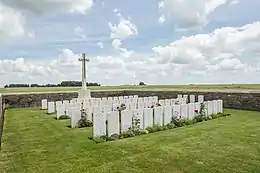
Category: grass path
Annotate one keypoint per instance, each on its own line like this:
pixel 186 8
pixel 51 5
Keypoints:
pixel 148 87
pixel 36 142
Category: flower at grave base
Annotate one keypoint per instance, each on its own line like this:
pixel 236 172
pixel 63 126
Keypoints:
pixel 152 106
pixel 196 111
pixel 146 131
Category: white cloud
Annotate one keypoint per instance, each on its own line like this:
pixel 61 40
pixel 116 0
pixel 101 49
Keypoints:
pixel 48 7
pixel 124 29
pixel 116 43
pixel 100 44
pixel 161 19
pixel 234 2
pixel 78 31
pixel 212 50
pixel 12 13
pixel 11 22
pixel 204 58
pixel 186 14
pixel 31 34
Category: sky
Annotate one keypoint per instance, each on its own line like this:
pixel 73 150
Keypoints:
pixel 154 41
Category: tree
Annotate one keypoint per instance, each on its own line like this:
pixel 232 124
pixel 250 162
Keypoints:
pixel 142 83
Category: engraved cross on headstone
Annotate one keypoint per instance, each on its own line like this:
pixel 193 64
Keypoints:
pixel 84 78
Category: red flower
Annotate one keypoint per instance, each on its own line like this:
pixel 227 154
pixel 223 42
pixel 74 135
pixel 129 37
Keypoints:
pixel 196 111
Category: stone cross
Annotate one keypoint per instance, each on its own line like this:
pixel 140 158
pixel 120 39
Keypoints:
pixel 84 78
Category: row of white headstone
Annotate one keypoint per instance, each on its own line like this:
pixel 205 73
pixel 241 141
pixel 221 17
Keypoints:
pixel 148 117
pixel 114 101
pixel 72 108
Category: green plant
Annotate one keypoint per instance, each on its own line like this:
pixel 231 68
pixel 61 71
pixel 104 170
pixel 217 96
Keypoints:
pixel 171 126
pixel 214 116
pixel 128 134
pixel 150 129
pixel 187 122
pixel 83 122
pixel 136 124
pixel 98 139
pixel 178 121
pixel 64 117
pixel 201 115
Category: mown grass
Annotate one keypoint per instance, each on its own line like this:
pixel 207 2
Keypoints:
pixel 35 142
pixel 131 87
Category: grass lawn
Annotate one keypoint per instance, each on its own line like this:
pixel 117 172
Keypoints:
pixel 36 142
pixel 148 87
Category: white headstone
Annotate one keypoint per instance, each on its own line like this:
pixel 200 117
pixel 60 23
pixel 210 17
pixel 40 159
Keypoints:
pixel 60 110
pixel 210 108
pixel 197 106
pixel 138 114
pixel 104 98
pixel 201 98
pixel 146 99
pixel 158 115
pixel 115 98
pixel 184 111
pixel 215 107
pixel 148 117
pixel 132 105
pixel 44 104
pixel 113 123
pixel 155 98
pixel 131 98
pixel 99 124
pixel 58 103
pixel 73 101
pixel 140 105
pixel 220 106
pixel 162 102
pixel 176 110
pixel 115 106
pixel 191 110
pixel 69 109
pixel 173 101
pixel 186 98
pixel 179 96
pixel 192 98
pixel 167 102
pixel 75 117
pixel 167 115
pixel 126 120
pixel 51 107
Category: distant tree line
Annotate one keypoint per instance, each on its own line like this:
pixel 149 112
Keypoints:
pixel 62 84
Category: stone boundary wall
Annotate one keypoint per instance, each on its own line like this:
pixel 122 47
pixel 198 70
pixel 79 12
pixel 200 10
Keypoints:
pixel 244 100
pixel 1 119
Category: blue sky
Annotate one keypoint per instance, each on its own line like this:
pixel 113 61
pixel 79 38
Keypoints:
pixel 54 33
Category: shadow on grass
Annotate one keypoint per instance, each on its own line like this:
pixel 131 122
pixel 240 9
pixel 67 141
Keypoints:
pixel 69 126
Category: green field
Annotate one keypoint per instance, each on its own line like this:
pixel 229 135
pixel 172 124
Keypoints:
pixel 35 142
pixel 148 87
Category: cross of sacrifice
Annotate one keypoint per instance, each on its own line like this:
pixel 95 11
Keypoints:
pixel 84 78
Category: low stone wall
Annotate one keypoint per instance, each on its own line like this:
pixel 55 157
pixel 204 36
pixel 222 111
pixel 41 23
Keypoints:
pixel 1 119
pixel 244 100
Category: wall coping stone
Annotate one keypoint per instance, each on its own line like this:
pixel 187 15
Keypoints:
pixel 145 90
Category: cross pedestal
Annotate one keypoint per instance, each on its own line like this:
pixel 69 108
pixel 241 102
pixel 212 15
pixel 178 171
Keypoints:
pixel 84 93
